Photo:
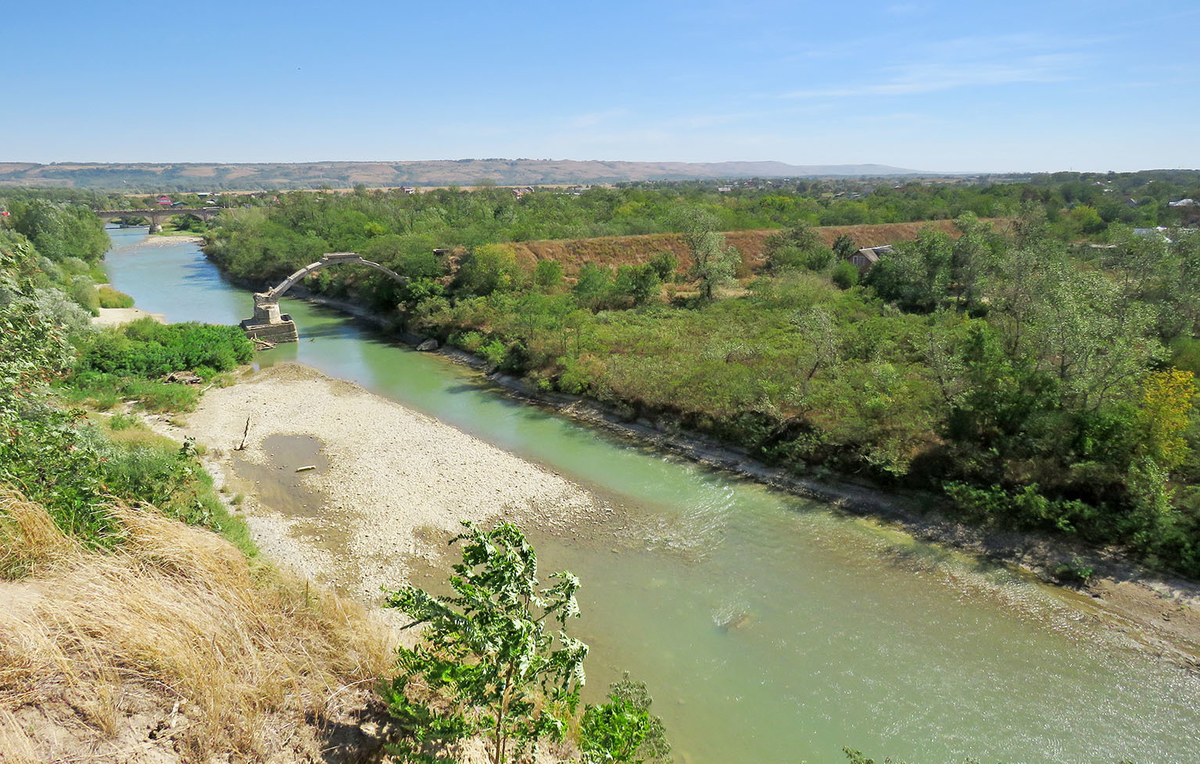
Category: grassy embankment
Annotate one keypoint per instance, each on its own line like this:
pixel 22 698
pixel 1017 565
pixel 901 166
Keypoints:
pixel 130 626
pixel 615 251
pixel 172 643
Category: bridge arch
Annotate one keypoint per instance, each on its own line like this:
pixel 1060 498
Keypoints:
pixel 328 259
pixel 269 324
pixel 156 216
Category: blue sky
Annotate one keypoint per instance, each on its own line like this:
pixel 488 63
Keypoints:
pixel 963 86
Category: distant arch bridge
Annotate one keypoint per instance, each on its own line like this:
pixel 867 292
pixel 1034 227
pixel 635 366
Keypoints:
pixel 271 325
pixel 156 216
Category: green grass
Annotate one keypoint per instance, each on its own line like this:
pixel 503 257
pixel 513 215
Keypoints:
pixel 103 391
pixel 120 422
pixel 138 464
pixel 111 298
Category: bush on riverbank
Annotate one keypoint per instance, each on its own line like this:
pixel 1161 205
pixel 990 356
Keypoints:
pixel 146 348
pixel 59 230
pixel 111 298
pixel 54 455
pixel 490 665
pixel 104 391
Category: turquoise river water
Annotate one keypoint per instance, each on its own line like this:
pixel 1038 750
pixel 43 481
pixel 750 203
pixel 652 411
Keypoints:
pixel 768 628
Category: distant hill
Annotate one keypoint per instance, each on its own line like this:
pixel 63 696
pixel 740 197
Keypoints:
pixel 146 177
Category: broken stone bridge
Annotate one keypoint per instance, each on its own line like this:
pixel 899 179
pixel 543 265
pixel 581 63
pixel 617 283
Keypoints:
pixel 270 325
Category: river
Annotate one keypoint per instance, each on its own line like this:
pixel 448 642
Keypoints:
pixel 768 628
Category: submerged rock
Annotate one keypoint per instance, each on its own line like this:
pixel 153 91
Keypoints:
pixel 735 622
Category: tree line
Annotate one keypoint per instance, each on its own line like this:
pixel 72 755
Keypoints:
pixel 1038 376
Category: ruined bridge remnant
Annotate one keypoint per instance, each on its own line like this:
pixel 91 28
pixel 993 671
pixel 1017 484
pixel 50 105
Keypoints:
pixel 271 325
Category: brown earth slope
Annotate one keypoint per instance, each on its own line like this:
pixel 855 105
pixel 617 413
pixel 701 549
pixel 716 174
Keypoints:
pixel 635 250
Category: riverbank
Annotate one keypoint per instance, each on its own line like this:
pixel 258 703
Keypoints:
pixel 1162 612
pixel 358 492
pixel 119 316
pixel 173 237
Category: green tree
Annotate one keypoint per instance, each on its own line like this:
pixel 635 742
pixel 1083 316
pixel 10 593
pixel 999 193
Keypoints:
pixel 973 258
pixel 1093 340
pixel 488 658
pixel 60 231
pixel 592 286
pixel 623 729
pixel 820 332
pixel 635 284
pixel 713 263
pixel 1086 220
pixel 797 247
pixel 547 275
pixel 844 247
pixel 845 274
pixel 488 269
pixel 917 274
pixel 664 264
pixel 34 349
pixel 40 453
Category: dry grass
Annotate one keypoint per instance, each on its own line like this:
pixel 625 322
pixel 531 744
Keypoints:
pixel 635 250
pixel 171 649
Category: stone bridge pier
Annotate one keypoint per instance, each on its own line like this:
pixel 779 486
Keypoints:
pixel 269 324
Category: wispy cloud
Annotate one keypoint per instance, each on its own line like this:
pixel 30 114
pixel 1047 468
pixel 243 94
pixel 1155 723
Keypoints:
pixel 591 119
pixel 969 61
pixel 912 79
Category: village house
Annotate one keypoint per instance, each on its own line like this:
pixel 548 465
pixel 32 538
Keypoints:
pixel 864 258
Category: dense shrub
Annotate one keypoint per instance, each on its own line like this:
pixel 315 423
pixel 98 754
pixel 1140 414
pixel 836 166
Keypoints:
pixel 798 247
pixel 844 274
pixel 50 452
pixel 61 231
pixel 111 298
pixel 146 348
pixel 83 291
